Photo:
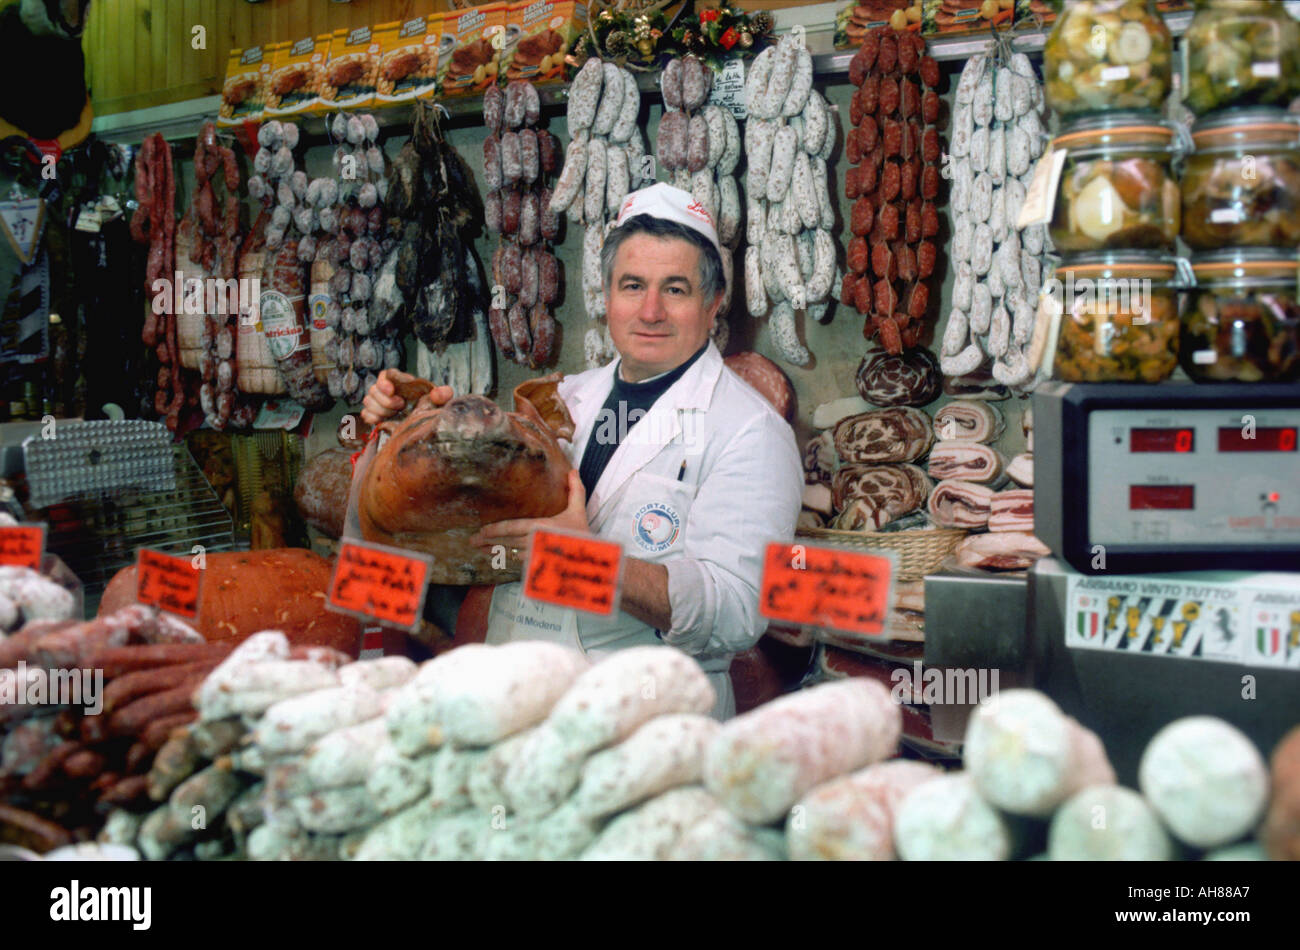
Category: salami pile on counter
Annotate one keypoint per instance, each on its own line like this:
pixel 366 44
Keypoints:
pixel 790 134
pixel 894 149
pixel 529 751
pixel 518 158
pixel 604 162
pixel 996 136
pixel 698 146
pixel 63 763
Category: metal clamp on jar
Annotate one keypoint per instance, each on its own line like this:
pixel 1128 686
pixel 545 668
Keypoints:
pixel 1117 188
pixel 1241 323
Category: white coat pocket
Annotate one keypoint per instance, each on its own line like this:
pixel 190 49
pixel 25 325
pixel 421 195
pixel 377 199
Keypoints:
pixel 652 514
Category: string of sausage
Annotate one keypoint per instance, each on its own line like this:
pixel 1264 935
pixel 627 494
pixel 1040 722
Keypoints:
pixel 154 223
pixel 216 249
pixel 894 150
pixel 518 156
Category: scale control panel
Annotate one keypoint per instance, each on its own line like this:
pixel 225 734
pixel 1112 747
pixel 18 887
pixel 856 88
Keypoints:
pixel 1194 477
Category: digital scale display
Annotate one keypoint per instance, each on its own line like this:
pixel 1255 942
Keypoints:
pixel 1169 497
pixel 1162 440
pixel 1272 439
pixel 1171 477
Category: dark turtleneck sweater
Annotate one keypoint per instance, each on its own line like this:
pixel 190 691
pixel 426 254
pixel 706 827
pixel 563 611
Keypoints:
pixel 626 404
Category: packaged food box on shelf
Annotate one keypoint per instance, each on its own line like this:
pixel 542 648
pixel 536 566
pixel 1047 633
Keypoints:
pixel 244 91
pixel 297 75
pixel 475 59
pixel 409 54
pixel 543 31
pixel 349 81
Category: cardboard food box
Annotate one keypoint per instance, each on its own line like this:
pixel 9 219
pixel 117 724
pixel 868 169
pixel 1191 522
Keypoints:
pixel 543 33
pixel 409 53
pixel 480 36
pixel 297 75
pixel 857 19
pixel 349 81
pixel 243 93
pixel 945 17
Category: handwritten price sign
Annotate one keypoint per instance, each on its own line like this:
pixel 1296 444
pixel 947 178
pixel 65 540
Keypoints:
pixel 381 583
pixel 826 587
pixel 168 583
pixel 22 546
pixel 574 571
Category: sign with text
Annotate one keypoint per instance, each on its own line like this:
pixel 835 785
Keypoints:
pixel 22 545
pixel 826 587
pixel 575 571
pixel 168 583
pixel 377 582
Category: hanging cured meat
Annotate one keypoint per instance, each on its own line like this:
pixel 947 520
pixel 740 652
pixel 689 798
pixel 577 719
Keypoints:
pixel 894 149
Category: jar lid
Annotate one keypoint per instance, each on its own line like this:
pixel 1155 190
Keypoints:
pixel 1119 264
pixel 1254 121
pixel 1232 263
pixel 1145 128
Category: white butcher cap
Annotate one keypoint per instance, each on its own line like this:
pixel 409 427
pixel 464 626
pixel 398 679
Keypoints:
pixel 671 204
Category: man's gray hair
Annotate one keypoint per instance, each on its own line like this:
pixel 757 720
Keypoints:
pixel 712 279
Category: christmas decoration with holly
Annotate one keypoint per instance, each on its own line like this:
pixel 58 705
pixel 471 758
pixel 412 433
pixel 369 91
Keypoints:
pixel 640 37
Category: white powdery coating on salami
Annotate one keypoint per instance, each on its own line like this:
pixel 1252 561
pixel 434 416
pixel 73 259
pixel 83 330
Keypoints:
pixel 649 832
pixel 1131 832
pixel 497 694
pixel 1205 779
pixel 851 818
pixel 612 699
pixel 292 725
pixel 666 752
pixel 1026 756
pixel 719 836
pixel 945 819
pixel 400 837
pixel 395 780
pixel 458 837
pixel 761 762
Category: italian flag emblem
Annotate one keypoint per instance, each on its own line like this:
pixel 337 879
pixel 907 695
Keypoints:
pixel 1088 623
pixel 1268 641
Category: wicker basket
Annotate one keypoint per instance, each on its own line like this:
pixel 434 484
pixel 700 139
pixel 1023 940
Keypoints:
pixel 919 551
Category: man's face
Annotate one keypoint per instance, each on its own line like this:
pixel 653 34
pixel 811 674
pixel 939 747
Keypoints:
pixel 658 316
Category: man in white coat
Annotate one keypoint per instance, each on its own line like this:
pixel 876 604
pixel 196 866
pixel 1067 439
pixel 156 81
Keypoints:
pixel 678 459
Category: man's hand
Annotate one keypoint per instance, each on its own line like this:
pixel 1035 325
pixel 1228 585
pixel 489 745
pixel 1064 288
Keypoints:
pixel 514 533
pixel 382 401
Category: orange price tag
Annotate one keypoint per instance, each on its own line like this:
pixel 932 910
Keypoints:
pixel 826 587
pixel 168 583
pixel 379 582
pixel 22 545
pixel 574 571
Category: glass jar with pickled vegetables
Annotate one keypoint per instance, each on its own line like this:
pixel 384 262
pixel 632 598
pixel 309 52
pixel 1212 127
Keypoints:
pixel 1107 54
pixel 1241 323
pixel 1116 187
pixel 1118 317
pixel 1241 52
pixel 1241 183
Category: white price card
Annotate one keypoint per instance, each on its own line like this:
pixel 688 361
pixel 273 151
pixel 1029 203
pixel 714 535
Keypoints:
pixel 729 88
pixel 1040 200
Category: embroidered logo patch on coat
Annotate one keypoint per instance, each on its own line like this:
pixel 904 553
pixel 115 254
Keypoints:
pixel 655 527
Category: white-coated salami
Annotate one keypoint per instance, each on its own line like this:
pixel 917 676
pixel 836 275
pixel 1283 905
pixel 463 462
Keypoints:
pixel 784 146
pixel 761 762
